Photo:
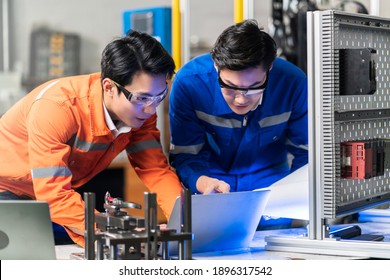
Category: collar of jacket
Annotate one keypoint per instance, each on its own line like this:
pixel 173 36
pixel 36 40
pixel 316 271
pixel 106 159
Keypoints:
pixel 95 99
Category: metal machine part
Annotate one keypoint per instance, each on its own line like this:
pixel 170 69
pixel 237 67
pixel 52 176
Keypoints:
pixel 123 237
pixel 357 71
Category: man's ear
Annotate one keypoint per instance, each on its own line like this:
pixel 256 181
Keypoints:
pixel 107 86
pixel 216 67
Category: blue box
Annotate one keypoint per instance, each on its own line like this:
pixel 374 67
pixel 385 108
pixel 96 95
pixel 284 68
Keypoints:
pixel 154 21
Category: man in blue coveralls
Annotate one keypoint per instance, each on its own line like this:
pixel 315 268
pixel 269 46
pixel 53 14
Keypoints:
pixel 236 114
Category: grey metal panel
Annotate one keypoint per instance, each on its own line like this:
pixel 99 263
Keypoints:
pixel 342 30
pixel 326 123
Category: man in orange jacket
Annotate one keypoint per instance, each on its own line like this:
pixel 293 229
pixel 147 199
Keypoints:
pixel 66 131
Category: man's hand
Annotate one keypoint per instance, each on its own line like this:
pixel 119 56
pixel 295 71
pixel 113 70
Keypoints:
pixel 208 185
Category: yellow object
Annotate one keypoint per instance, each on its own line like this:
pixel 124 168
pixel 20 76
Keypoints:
pixel 176 33
pixel 238 11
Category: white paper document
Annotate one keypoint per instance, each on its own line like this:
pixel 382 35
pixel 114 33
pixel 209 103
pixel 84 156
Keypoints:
pixel 289 196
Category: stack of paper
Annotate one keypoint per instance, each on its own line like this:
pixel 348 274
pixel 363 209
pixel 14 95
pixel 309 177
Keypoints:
pixel 289 196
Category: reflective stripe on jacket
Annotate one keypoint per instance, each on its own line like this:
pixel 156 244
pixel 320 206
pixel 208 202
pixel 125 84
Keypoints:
pixel 55 139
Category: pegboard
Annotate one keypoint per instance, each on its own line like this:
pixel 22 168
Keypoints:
pixel 342 118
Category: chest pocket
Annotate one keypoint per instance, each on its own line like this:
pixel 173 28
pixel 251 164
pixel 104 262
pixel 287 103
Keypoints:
pixel 273 127
pixel 85 155
pixel 219 140
pixel 270 135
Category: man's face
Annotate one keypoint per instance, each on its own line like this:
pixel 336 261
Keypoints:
pixel 133 104
pixel 243 90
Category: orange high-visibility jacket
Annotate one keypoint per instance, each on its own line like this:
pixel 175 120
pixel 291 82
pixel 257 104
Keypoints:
pixel 55 139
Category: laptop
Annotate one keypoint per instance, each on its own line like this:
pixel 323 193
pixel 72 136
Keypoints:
pixel 26 231
pixel 221 221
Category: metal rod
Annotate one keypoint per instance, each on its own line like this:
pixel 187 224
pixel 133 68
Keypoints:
pixel 181 250
pixel 153 210
pixel 313 225
pixel 89 231
pixel 150 225
pixel 187 223
pixel 249 9
pixel 114 251
pixel 99 249
pixel 5 23
pixel 147 226
pixel 185 30
pixel 166 251
pixel 375 7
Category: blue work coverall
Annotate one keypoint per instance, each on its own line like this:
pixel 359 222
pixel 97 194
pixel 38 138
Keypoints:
pixel 247 151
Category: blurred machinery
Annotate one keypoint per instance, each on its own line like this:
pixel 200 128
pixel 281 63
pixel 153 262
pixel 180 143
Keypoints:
pixel 118 236
pixel 53 54
pixel 288 27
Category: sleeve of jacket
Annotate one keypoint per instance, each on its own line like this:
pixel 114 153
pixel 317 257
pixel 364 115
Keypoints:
pixel 50 126
pixel 297 133
pixel 151 165
pixel 187 155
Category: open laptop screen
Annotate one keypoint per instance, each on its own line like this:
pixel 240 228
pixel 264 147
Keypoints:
pixel 221 221
pixel 26 231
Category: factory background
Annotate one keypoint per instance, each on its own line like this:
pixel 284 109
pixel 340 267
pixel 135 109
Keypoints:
pixel 92 24
pixel 98 22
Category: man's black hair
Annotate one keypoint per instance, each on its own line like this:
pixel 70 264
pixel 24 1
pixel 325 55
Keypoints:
pixel 136 52
pixel 244 45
